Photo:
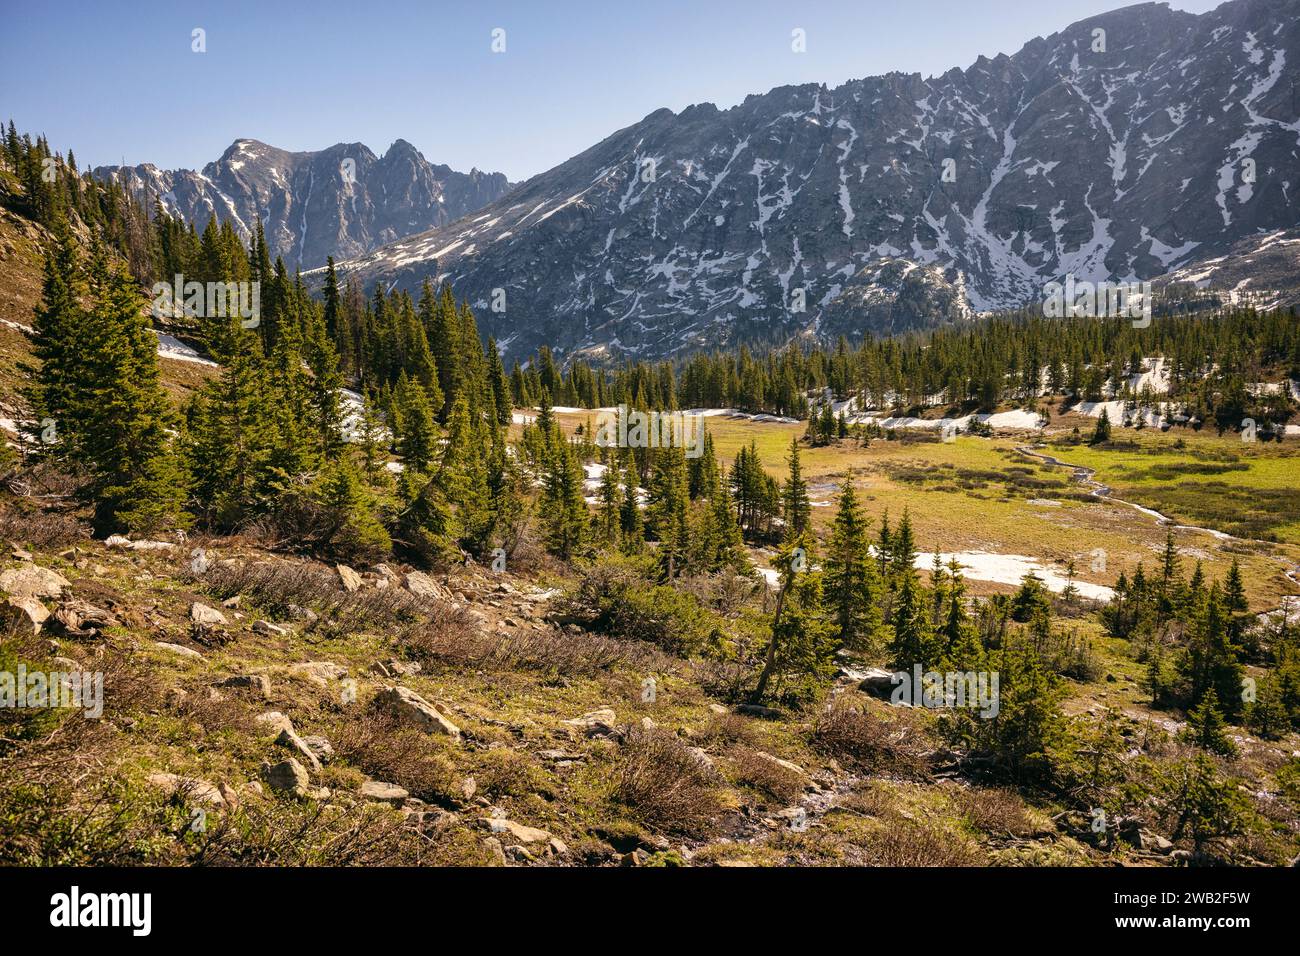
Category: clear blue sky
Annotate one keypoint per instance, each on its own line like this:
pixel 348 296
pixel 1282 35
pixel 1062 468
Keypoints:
pixel 118 80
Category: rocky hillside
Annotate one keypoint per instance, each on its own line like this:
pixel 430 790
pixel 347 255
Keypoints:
pixel 1127 145
pixel 264 710
pixel 341 201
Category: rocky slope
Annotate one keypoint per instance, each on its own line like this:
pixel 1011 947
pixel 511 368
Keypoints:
pixel 1126 145
pixel 341 201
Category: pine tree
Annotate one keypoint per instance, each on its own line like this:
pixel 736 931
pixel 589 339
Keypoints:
pixel 1206 729
pixel 59 326
pixel 667 508
pixel 501 397
pixel 462 476
pixel 851 586
pixel 123 413
pixel 796 509
pixel 417 435
pixel 607 517
pixel 353 530
pixel 1101 432
pixel 800 655
pixel 564 510
pixel 913 638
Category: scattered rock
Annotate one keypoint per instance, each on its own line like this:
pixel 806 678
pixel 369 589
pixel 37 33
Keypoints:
pixel 33 582
pixel 266 627
pixel 299 613
pixel 320 746
pixel 421 585
pixel 384 792
pixel 350 580
pixel 699 754
pixel 290 739
pixel 82 620
pixel 287 776
pixel 596 723
pixel 783 764
pixel 319 672
pixel 25 613
pixel 878 681
pixel 180 649
pixel 274 721
pixel 190 787
pixel 516 831
pixel 206 616
pixel 257 682
pixel 495 848
pixel 408 705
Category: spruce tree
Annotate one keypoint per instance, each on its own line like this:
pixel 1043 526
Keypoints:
pixel 564 510
pixel 123 414
pixel 851 585
pixel 796 509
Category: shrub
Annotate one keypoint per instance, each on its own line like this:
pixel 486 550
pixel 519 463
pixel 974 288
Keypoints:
pixel 614 598
pixel 869 743
pixel 752 769
pixel 665 784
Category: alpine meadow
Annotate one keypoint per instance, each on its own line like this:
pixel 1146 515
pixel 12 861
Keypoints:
pixel 880 473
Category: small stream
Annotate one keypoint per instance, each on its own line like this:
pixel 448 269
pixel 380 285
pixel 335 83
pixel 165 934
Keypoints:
pixel 1101 492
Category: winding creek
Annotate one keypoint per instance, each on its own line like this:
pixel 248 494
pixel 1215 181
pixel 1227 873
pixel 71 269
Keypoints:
pixel 1086 476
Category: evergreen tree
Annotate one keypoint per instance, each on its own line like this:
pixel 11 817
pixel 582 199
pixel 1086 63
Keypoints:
pixel 1205 727
pixel 796 509
pixel 123 413
pixel 1101 432
pixel 800 655
pixel 564 510
pixel 851 586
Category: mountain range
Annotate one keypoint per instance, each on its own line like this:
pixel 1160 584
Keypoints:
pixel 342 201
pixel 1127 146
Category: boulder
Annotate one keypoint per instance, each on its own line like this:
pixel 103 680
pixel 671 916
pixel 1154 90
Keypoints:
pixel 82 620
pixel 255 682
pixel 190 787
pixel 287 776
pixel 33 582
pixel 384 792
pixel 421 585
pixel 517 832
pixel 274 721
pixel 350 580
pixel 319 672
pixel 290 739
pixel 783 764
pixel 877 681
pixel 595 723
pixel 25 613
pixel 320 746
pixel 410 706
pixel 180 650
pixel 206 616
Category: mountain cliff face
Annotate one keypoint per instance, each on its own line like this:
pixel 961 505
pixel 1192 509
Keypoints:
pixel 1123 147
pixel 342 201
